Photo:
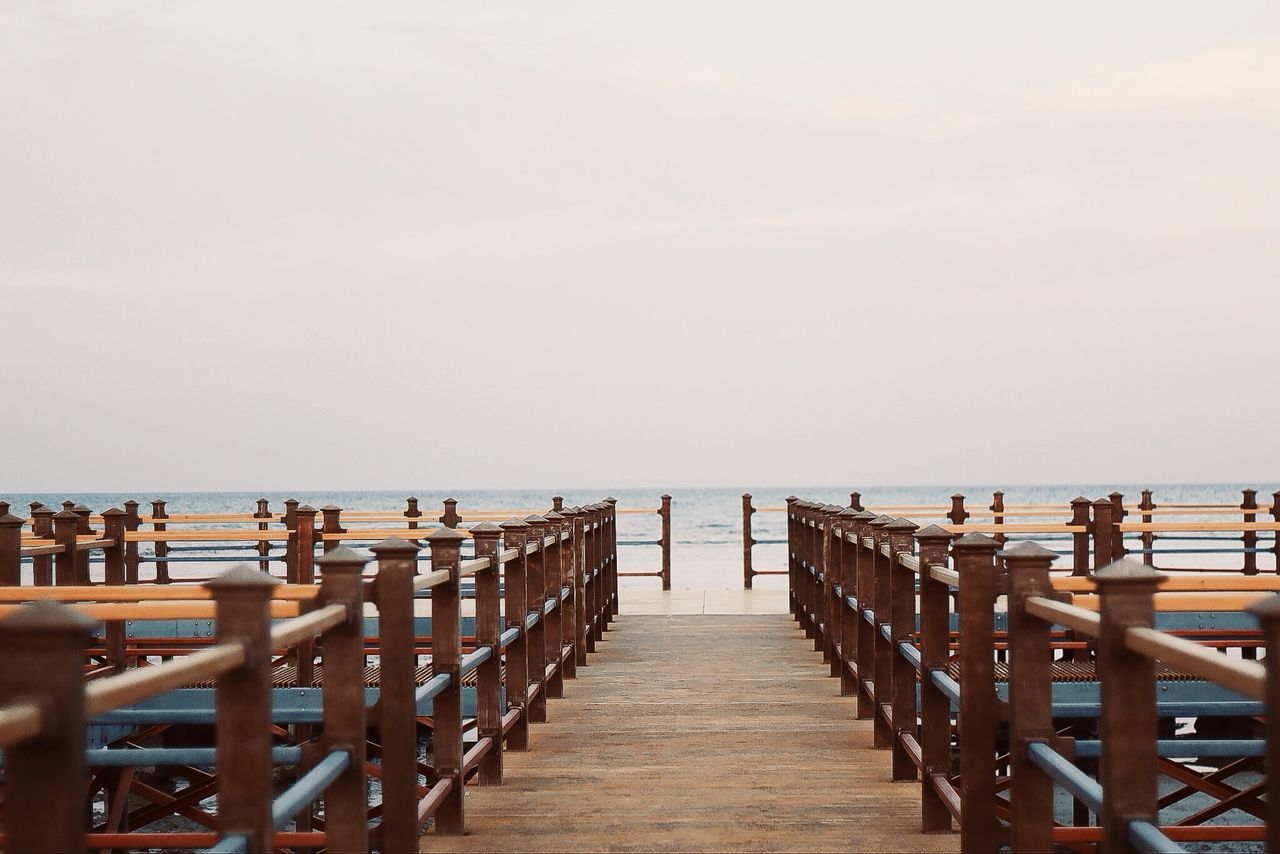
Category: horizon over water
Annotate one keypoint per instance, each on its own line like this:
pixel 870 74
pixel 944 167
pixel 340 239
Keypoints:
pixel 706 522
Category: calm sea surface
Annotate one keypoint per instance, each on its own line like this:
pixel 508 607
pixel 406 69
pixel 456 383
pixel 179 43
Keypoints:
pixel 706 523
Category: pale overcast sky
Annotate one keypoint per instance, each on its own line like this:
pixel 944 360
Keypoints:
pixel 374 245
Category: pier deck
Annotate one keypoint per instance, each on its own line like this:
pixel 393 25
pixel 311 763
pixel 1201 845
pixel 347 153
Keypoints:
pixel 699 732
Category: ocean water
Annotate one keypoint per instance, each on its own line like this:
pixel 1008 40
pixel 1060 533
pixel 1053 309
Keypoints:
pixel 706 523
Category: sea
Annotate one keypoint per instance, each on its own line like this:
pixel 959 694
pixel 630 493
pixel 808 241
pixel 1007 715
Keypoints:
pixel 706 523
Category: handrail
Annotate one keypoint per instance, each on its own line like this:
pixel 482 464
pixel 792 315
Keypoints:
pixel 471 567
pixel 1244 677
pixel 1059 613
pixel 104 695
pixel 179 609
pixel 430 579
pixel 19 722
pixel 289 633
pixel 142 593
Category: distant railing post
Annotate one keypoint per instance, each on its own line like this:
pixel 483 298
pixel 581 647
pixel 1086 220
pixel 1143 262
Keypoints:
pixel 902 620
pixel 242 706
pixel 331 523
pixel 555 620
pixel 1030 694
pixel 1080 507
pixel 11 550
pixel 957 514
pixel 1128 724
pixel 846 632
pixel 793 578
pixel 450 517
pixel 290 520
pixel 536 582
pixel 601 600
pixel 997 515
pixel 665 513
pixel 113 522
pixel 515 536
pixel 882 663
pixel 611 514
pixel 1103 515
pixel 855 501
pixel 1148 537
pixel 131 523
pixel 263 512
pixel 1268 613
pixel 1250 507
pixel 747 541
pixel 82 557
pixel 568 605
pixel 1118 514
pixel 397 709
pixel 305 532
pixel 346 800
pixel 41 526
pixel 160 549
pixel 411 511
pixel 65 525
pixel 446 656
pixel 1275 544
pixel 42 650
pixel 979 711
pixel 823 582
pixel 935 706
pixel 864 585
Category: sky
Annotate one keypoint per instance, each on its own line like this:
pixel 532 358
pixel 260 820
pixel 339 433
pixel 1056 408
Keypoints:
pixel 375 245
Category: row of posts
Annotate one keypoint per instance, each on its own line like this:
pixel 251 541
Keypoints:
pixel 837 552
pixel 42 652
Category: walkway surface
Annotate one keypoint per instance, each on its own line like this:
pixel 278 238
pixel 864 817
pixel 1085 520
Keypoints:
pixel 698 733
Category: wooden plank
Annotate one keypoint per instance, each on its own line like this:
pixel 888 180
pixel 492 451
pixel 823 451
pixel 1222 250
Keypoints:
pixel 698 733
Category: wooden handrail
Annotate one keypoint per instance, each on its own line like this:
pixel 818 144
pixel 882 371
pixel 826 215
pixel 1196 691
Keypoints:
pixel 1202 582
pixel 287 634
pixel 159 610
pixel 1244 677
pixel 430 579
pixel 104 695
pixel 1059 613
pixel 18 723
pixel 142 593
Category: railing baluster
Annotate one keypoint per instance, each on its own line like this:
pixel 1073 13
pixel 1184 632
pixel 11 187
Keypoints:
pixel 488 675
pixel 979 713
pixel 515 536
pixel 446 656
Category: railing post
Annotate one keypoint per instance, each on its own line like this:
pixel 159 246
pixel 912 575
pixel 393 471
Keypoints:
pixel 1030 696
pixel 290 520
pixel 957 514
pixel 515 536
pixel 305 532
pixel 979 710
pixel 346 801
pixel 568 605
pixel 601 599
pixel 11 550
pixel 1103 516
pixel 1080 539
pixel 1118 513
pixel 997 515
pixel 1148 538
pixel 847 623
pixel 65 525
pixel 411 511
pixel 263 512
pixel 536 583
pixel 160 549
pixel 935 706
pixel 882 734
pixel 665 512
pixel 1268 613
pixel 242 706
pixel 793 577
pixel 902 619
pixel 865 585
pixel 1250 507
pixel 826 585
pixel 450 517
pixel 397 709
pixel 611 517
pixel 131 523
pixel 446 656
pixel 1275 547
pixel 42 526
pixel 113 522
pixel 330 523
pixel 42 650
pixel 1128 724
pixel 82 557
pixel 553 574
pixel 855 501
pixel 748 573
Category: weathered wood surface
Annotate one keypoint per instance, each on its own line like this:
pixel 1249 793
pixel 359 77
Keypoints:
pixel 699 733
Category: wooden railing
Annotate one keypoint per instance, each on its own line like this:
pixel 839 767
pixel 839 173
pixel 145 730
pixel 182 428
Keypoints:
pixel 1085 524
pixel 544 591
pixel 875 594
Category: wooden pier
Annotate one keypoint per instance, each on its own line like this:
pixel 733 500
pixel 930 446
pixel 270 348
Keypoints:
pixel 700 733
